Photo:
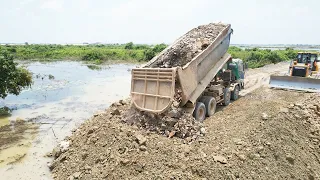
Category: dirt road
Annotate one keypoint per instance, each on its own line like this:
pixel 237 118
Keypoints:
pixel 255 78
pixel 267 134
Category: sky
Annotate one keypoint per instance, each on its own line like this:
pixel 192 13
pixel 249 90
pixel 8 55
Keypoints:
pixel 161 21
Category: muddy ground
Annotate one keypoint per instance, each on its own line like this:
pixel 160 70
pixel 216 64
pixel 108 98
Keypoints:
pixel 267 134
pixel 15 140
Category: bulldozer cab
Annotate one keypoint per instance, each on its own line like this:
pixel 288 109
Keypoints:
pixel 307 57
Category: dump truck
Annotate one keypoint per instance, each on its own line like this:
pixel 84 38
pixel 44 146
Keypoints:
pixel 211 78
pixel 303 74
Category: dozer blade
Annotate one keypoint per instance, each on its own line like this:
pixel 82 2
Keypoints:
pixel 295 83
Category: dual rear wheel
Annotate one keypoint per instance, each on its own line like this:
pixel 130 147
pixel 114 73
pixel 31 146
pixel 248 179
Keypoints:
pixel 207 105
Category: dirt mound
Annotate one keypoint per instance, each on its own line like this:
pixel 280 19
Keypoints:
pixel 265 135
pixel 189 46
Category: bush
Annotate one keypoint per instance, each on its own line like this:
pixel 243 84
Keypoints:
pixel 259 57
pixel 92 56
pixel 149 54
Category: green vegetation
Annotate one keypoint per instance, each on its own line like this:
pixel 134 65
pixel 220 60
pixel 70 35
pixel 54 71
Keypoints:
pixel 92 53
pixel 259 57
pixel 12 78
pixel 131 52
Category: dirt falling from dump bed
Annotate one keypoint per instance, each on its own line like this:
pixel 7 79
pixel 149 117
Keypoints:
pixel 189 46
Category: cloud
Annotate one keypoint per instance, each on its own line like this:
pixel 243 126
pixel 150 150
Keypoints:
pixel 56 5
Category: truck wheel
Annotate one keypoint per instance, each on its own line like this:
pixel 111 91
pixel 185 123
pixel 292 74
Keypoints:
pixel 199 112
pixel 226 96
pixel 210 103
pixel 235 93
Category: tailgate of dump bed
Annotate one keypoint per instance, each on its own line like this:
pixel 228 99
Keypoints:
pixel 153 89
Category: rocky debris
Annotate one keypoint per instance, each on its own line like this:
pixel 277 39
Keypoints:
pixel 143 148
pixel 236 144
pixel 203 130
pixel 64 146
pixel 264 116
pixel 183 125
pixel 220 159
pixel 189 46
pixel 115 112
pixel 242 157
pixel 290 159
pixel 141 139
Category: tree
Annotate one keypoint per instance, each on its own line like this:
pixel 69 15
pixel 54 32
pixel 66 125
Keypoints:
pixel 129 45
pixel 159 47
pixel 12 78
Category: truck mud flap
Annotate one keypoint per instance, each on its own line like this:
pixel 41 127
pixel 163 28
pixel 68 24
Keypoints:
pixel 295 83
pixel 153 89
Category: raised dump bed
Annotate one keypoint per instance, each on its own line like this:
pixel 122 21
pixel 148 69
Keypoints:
pixel 154 89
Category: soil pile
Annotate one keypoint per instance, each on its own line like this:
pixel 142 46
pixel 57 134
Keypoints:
pixel 265 135
pixel 189 46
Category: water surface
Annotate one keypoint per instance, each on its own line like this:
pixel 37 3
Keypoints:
pixel 63 95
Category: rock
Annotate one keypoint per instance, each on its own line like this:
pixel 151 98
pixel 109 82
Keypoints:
pixel 290 159
pixel 76 175
pixel 260 148
pixel 284 110
pixel 64 145
pixel 220 159
pixel 143 148
pixel 298 105
pixel 237 141
pixel 90 131
pixel 203 130
pixel 115 112
pixel 49 154
pixel 242 157
pixel 141 139
pixel 87 167
pixel 52 165
pixel 139 167
pixel 291 106
pixel 56 152
pixel 124 161
pixel 176 103
pixel 173 113
pixel 264 116
pixel 85 155
pixel 122 102
pixel 188 139
pixel 254 156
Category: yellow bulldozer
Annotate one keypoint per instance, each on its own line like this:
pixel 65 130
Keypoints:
pixel 303 74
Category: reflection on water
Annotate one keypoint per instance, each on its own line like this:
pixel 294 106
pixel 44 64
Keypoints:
pixel 63 95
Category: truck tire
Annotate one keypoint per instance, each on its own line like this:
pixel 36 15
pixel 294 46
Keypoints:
pixel 235 93
pixel 210 103
pixel 199 112
pixel 226 96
